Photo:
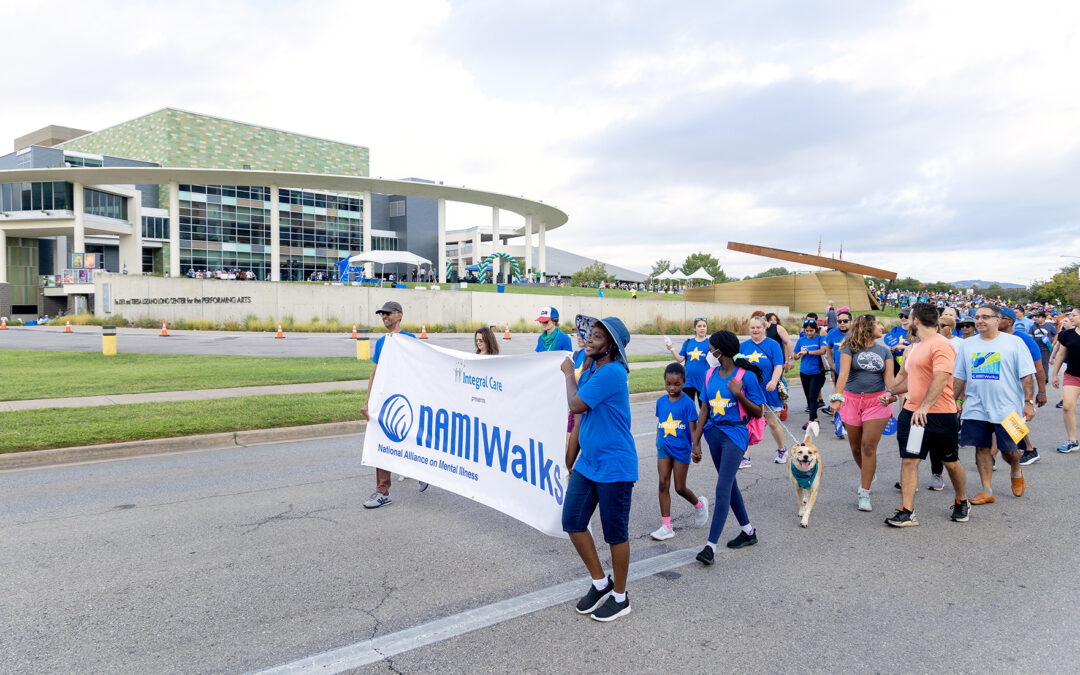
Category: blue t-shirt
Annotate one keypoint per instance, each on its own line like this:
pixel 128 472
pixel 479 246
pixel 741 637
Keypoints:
pixel 1023 326
pixel 608 453
pixel 673 422
pixel 562 343
pixel 810 363
pixel 833 339
pixel 579 363
pixel 696 353
pixel 379 344
pixel 768 354
pixel 993 370
pixel 1032 345
pixel 724 409
pixel 896 339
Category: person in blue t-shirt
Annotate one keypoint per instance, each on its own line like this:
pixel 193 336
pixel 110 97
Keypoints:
pixel 676 419
pixel 769 356
pixel 732 396
pixel 1029 454
pixel 808 351
pixel 552 339
pixel 834 337
pixel 692 356
pixel 391 314
pixel 603 464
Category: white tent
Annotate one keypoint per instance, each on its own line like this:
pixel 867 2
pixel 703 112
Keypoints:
pixel 700 275
pixel 383 258
pixel 670 276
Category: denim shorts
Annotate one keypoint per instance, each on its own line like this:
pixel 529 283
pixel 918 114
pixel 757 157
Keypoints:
pixel 664 453
pixel 978 433
pixel 582 497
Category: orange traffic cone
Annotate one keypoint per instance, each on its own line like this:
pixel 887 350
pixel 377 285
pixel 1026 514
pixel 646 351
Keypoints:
pixel 3 323
pixel 423 331
pixel 164 331
pixel 353 336
pixel 67 327
pixel 506 335
pixel 280 334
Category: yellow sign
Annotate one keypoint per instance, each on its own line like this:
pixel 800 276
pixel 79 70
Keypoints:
pixel 1016 426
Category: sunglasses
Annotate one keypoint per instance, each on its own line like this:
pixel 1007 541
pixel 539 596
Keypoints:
pixel 843 321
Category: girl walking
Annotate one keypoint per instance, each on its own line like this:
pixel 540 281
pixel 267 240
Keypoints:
pixel 677 418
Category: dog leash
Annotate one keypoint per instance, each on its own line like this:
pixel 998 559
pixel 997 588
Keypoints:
pixel 783 426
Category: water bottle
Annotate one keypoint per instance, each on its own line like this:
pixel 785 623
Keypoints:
pixel 667 341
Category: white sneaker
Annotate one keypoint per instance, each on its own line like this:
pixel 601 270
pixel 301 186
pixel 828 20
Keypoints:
pixel 376 500
pixel 864 502
pixel 781 456
pixel 701 516
pixel 745 463
pixel 662 533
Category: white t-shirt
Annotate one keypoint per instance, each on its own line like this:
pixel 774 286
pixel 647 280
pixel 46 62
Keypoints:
pixel 993 370
pixel 957 343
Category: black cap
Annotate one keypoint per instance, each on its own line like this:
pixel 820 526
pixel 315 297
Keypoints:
pixel 390 306
pixel 905 312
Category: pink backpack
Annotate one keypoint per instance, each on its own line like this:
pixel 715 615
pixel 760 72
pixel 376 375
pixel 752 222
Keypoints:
pixel 755 426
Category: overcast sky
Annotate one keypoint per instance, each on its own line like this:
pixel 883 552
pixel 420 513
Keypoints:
pixel 940 140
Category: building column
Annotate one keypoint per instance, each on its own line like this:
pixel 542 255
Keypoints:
pixel 478 239
pixel 78 241
pixel 61 259
pixel 174 229
pixel 496 243
pixel 275 234
pixel 131 244
pixel 369 268
pixel 542 250
pixel 3 257
pixel 528 246
pixel 441 253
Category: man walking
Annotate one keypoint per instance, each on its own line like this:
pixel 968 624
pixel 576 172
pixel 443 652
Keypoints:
pixel 926 378
pixel 1008 324
pixel 995 376
pixel 391 314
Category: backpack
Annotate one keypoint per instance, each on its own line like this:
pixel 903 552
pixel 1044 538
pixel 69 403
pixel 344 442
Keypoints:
pixel 755 426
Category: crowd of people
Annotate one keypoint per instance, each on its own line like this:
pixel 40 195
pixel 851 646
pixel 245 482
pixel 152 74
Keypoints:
pixel 227 274
pixel 970 374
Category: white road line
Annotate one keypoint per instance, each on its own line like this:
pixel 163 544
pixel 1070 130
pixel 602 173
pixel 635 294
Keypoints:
pixel 385 646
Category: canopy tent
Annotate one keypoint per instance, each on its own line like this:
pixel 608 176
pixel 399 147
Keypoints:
pixel 670 276
pixel 700 275
pixel 383 258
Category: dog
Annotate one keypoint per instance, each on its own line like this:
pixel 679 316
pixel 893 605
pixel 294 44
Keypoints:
pixel 804 467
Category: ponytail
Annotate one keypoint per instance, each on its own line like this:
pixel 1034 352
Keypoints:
pixel 746 364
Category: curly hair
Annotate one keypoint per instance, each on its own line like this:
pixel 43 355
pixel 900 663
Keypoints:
pixel 861 336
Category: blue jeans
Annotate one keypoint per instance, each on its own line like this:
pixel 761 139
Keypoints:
pixel 726 456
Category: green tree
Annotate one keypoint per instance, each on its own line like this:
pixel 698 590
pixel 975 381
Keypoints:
pixel 593 273
pixel 706 262
pixel 771 272
pixel 659 267
pixel 1062 288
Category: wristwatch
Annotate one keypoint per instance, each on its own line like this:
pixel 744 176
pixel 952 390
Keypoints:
pixel 1030 402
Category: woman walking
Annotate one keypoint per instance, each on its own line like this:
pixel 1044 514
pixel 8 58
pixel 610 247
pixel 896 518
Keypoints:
pixel 1068 352
pixel 732 397
pixel 808 351
pixel 770 358
pixel 692 356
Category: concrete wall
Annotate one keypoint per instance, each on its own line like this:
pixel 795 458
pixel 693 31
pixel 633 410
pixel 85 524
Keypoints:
pixel 135 297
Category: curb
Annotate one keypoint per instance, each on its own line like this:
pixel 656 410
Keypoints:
pixel 87 453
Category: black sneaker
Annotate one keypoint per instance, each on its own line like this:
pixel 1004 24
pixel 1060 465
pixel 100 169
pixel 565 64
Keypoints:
pixel 743 540
pixel 594 598
pixel 612 609
pixel 903 518
pixel 1029 457
pixel 1059 404
pixel 960 512
pixel 706 556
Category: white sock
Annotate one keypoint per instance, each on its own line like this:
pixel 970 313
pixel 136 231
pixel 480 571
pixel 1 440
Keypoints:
pixel 619 597
pixel 600 584
pixel 748 529
pixel 711 545
pixel 863 491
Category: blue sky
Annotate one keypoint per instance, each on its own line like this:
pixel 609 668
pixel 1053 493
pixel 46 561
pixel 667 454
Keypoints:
pixel 935 139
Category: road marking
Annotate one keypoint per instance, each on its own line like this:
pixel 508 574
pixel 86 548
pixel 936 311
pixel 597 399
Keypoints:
pixel 385 646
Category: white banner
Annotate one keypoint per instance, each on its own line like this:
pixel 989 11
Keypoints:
pixel 490 428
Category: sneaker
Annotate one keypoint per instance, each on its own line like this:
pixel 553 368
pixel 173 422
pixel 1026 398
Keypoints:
pixel 612 609
pixel 994 466
pixel 1069 446
pixel 594 598
pixel 706 556
pixel 1029 457
pixel 937 482
pixel 864 502
pixel 781 456
pixel 959 512
pixel 702 515
pixel 745 463
pixel 423 486
pixel 743 540
pixel 1059 404
pixel 663 532
pixel 376 500
pixel 903 518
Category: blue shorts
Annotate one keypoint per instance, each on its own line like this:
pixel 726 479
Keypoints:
pixel 582 497
pixel 978 433
pixel 680 456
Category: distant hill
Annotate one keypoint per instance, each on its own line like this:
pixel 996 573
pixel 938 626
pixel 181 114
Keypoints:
pixel 979 283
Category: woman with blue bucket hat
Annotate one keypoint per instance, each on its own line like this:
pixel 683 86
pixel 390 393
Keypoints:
pixel 603 462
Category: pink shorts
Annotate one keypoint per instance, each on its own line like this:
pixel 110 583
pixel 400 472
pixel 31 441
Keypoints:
pixel 858 408
pixel 1071 381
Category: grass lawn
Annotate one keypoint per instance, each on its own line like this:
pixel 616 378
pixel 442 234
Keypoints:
pixel 67 427
pixel 646 379
pixel 648 358
pixel 38 374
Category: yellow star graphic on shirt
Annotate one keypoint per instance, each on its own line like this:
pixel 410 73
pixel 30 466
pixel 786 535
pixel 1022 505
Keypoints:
pixel 755 357
pixel 719 404
pixel 695 355
pixel 671 426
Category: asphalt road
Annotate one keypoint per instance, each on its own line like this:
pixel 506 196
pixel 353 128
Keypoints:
pixel 241 559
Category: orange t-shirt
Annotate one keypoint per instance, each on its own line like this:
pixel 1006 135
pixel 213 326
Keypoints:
pixel 923 359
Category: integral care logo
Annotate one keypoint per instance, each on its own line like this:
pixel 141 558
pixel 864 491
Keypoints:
pixel 476 382
pixel 396 418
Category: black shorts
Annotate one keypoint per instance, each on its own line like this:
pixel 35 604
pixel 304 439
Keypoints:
pixel 940 440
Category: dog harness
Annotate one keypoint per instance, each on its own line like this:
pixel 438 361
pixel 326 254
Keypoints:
pixel 805 479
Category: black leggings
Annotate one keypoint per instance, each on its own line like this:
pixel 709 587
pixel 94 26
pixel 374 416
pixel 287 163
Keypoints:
pixel 811 386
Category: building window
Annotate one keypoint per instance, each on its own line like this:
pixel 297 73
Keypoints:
pixel 397 208
pixel 72 160
pixel 104 204
pixel 36 196
pixel 155 227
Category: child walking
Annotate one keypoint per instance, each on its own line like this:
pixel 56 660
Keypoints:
pixel 677 419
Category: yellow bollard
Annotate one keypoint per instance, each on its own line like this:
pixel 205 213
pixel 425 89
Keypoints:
pixel 363 345
pixel 108 340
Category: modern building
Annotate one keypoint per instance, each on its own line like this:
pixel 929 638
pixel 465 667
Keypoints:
pixel 174 192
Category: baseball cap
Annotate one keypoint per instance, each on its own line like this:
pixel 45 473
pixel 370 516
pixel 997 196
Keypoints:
pixel 1008 313
pixel 547 314
pixel 905 312
pixel 390 306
